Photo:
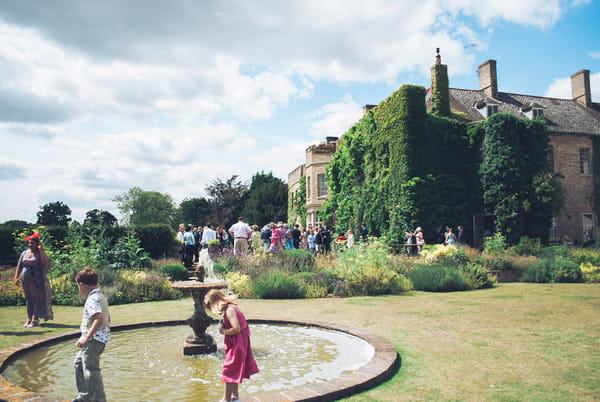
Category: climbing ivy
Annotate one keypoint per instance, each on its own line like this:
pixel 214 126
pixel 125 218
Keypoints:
pixel 297 203
pixel 400 167
pixel 515 176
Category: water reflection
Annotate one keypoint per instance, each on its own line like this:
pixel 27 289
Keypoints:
pixel 148 364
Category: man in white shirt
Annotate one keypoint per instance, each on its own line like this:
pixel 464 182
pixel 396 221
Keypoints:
pixel 208 235
pixel 241 233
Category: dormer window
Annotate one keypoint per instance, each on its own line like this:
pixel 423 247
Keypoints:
pixel 533 110
pixel 487 107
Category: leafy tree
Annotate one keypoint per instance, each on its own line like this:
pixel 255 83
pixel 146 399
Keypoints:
pixel 227 199
pixel 141 207
pixel 266 199
pixel 15 224
pixel 99 217
pixel 54 214
pixel 195 211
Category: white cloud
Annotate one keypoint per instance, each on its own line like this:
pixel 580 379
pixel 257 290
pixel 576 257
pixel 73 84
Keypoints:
pixel 334 119
pixel 595 55
pixel 111 94
pixel 561 88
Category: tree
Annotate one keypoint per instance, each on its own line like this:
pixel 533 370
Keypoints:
pixel 195 210
pixel 227 199
pixel 15 224
pixel 99 217
pixel 266 200
pixel 141 207
pixel 54 214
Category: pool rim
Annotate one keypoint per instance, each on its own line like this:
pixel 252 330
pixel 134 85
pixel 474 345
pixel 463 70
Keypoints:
pixel 382 366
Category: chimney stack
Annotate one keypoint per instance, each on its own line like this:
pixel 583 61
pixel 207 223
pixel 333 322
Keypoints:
pixel 580 88
pixel 488 80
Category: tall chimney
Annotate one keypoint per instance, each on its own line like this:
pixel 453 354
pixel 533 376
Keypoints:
pixel 488 80
pixel 580 88
pixel 440 93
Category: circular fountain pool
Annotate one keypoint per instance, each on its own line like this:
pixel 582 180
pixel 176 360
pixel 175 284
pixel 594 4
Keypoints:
pixel 148 363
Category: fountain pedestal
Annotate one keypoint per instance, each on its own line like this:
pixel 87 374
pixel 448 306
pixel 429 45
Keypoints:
pixel 199 342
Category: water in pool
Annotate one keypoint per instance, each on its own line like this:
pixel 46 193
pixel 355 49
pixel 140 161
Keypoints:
pixel 148 363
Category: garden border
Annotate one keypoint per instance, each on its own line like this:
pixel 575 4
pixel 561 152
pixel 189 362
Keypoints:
pixel 383 365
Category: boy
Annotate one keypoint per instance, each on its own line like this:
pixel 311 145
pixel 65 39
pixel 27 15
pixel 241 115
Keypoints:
pixel 95 334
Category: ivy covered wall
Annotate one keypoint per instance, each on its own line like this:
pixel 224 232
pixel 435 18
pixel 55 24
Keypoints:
pixel 515 175
pixel 401 167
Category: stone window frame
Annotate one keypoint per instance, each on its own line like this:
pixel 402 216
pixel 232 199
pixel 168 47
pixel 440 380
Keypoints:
pixel 321 185
pixel 585 161
pixel 587 225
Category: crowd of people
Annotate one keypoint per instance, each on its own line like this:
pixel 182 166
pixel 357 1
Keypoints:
pixel 272 237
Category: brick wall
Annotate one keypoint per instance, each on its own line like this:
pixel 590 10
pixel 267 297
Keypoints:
pixel 577 187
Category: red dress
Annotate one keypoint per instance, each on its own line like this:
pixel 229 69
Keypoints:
pixel 239 362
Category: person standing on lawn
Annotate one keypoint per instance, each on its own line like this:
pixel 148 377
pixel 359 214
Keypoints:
pixel 32 272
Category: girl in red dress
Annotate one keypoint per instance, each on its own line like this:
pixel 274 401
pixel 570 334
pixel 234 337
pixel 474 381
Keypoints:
pixel 239 362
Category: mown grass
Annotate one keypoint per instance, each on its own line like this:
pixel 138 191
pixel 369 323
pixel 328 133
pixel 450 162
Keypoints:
pixel 512 342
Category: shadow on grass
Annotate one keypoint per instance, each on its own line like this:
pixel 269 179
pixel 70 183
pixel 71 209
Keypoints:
pixel 53 325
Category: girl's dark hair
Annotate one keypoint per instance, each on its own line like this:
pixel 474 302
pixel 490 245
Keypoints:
pixel 87 276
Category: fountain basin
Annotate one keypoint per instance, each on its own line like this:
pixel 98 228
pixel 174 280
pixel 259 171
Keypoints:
pixel 382 365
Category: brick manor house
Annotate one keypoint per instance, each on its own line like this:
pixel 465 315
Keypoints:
pixel 571 123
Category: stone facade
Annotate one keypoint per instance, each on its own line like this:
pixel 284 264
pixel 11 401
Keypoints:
pixel 317 158
pixel 572 124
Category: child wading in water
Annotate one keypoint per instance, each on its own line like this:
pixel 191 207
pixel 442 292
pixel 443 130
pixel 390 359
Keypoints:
pixel 95 334
pixel 239 362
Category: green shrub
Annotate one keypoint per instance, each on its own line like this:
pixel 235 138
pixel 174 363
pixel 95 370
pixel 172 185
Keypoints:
pixel 495 262
pixel 566 271
pixel 495 244
pixel 65 291
pixel 157 239
pixel 139 286
pixel 176 272
pixel 585 255
pixel 317 285
pixel 368 270
pixel 527 246
pixel 239 284
pixel 279 285
pixel 477 276
pixel 439 278
pixel 297 260
pixel 554 251
pixel 550 270
pixel 591 273
pixel 10 294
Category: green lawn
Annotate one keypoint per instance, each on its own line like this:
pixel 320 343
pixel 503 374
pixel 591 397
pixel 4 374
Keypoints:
pixel 513 342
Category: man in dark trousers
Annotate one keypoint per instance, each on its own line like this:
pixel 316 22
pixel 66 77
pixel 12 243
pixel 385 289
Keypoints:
pixel 364 232
pixel 326 233
pixel 296 235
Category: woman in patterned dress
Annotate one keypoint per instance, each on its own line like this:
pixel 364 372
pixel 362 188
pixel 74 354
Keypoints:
pixel 32 271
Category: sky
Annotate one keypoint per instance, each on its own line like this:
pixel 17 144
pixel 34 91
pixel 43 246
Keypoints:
pixel 98 97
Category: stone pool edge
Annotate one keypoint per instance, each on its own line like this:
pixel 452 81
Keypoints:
pixel 382 366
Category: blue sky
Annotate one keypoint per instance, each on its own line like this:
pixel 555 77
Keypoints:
pixel 99 97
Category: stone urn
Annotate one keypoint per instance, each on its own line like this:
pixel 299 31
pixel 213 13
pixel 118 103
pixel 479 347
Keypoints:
pixel 199 342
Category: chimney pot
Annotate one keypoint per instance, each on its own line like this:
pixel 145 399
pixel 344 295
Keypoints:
pixel 580 88
pixel 488 80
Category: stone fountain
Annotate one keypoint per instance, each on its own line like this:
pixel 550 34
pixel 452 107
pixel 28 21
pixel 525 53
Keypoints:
pixel 200 342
